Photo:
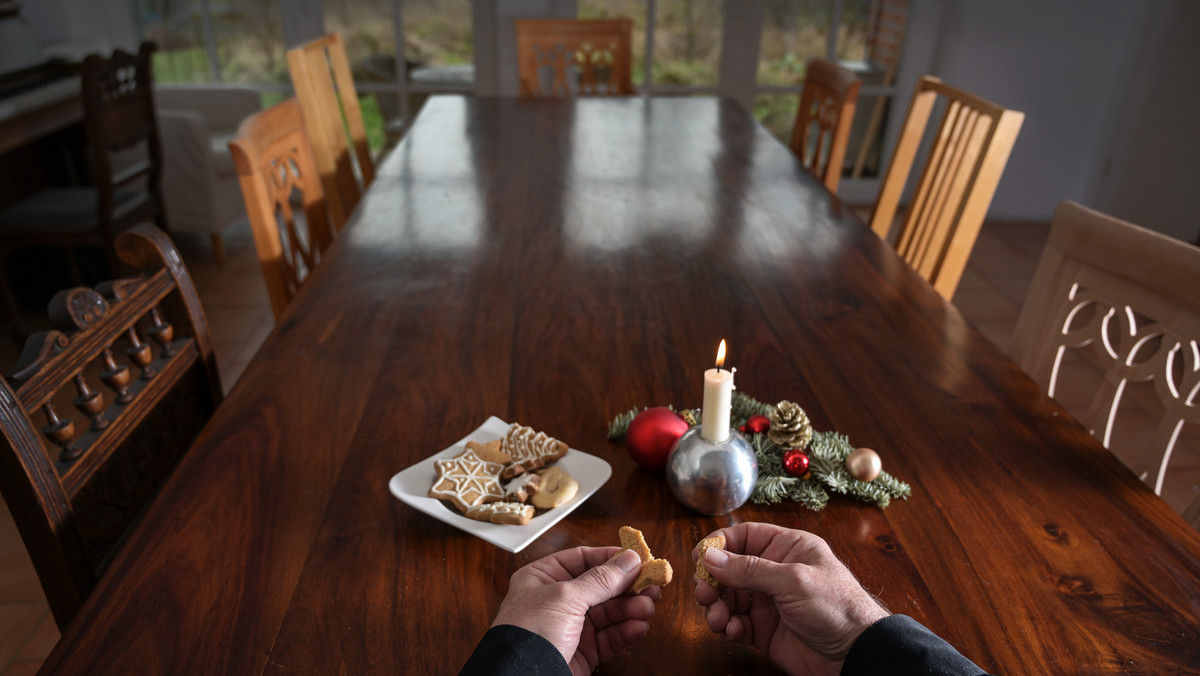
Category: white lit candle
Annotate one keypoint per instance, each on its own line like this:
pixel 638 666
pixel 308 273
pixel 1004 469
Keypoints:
pixel 718 399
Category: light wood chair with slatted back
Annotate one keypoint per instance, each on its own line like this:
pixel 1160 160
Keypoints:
pixel 968 154
pixel 274 159
pixel 325 88
pixel 1133 296
pixel 582 57
pixel 823 120
pixel 135 361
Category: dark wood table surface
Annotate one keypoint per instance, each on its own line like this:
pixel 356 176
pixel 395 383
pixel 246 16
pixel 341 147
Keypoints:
pixel 556 263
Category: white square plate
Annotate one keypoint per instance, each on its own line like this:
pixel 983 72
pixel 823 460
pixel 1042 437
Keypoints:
pixel 412 487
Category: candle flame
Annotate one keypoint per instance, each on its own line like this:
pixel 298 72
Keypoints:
pixel 721 354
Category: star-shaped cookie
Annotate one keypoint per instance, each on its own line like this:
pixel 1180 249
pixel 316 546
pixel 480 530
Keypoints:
pixel 467 481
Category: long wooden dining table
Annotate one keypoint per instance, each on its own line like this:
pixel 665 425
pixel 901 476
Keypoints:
pixel 556 263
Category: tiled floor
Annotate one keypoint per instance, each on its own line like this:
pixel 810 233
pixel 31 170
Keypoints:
pixel 235 300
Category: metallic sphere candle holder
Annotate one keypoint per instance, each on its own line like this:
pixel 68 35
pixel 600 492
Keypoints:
pixel 712 477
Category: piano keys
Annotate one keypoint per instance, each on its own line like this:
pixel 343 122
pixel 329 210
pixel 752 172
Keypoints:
pixel 38 101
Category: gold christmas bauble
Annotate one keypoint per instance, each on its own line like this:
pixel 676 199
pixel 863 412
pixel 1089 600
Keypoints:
pixel 864 464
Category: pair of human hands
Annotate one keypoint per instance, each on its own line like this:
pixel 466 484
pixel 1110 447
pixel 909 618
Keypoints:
pixel 783 592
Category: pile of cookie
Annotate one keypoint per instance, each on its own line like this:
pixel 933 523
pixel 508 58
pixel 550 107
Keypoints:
pixel 506 480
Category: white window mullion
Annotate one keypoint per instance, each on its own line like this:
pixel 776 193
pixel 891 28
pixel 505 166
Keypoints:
pixel 835 30
pixel 648 66
pixel 210 40
pixel 741 36
pixel 401 62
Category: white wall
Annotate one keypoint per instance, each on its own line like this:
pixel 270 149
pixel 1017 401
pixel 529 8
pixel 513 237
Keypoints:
pixel 74 28
pixel 1152 172
pixel 1065 64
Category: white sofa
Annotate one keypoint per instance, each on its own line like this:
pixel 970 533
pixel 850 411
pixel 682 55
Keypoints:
pixel 199 182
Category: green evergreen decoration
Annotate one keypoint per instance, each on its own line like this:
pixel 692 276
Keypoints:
pixel 827 472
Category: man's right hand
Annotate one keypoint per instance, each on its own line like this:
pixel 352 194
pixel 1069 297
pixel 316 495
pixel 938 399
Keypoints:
pixel 786 594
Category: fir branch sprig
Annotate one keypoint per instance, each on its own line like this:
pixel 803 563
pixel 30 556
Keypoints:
pixel 743 406
pixel 620 424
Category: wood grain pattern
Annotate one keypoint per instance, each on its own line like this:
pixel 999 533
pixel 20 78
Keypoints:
pixel 555 263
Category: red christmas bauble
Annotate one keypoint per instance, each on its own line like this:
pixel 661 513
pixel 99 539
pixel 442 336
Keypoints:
pixel 652 434
pixel 795 462
pixel 757 424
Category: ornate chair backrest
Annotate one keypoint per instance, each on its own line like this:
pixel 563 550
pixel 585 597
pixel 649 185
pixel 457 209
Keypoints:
pixel 823 120
pixel 1133 296
pixel 99 411
pixel 274 160
pixel 118 104
pixel 325 88
pixel 969 151
pixel 575 57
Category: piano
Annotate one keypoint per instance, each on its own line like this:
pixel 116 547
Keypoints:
pixel 38 101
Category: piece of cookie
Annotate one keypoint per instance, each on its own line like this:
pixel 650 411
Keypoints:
pixel 491 451
pixel 512 513
pixel 556 488
pixel 714 542
pixel 654 571
pixel 530 449
pixel 467 481
pixel 522 487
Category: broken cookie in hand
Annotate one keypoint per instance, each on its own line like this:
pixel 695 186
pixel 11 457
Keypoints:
pixel 654 571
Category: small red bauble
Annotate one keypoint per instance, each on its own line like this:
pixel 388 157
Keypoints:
pixel 757 424
pixel 795 462
pixel 652 434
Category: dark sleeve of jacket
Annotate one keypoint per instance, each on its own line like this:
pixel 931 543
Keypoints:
pixel 899 645
pixel 506 650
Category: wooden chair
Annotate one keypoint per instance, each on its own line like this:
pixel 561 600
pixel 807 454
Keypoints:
pixel 823 121
pixel 1133 296
pixel 967 157
pixel 119 121
pixel 77 481
pixel 588 57
pixel 274 159
pixel 325 88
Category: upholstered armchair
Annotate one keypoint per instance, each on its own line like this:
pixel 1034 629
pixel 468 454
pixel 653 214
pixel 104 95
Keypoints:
pixel 199 182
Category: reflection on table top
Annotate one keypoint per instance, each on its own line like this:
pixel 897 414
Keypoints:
pixel 555 263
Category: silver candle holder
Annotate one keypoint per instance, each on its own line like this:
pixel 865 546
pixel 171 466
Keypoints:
pixel 712 477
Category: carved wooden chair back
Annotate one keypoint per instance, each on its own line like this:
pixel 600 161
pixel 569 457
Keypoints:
pixel 275 162
pixel 1131 295
pixel 118 103
pixel 823 120
pixel 133 358
pixel 575 57
pixel 325 88
pixel 124 169
pixel 969 151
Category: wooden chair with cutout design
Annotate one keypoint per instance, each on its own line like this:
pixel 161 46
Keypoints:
pixel 98 412
pixel 274 160
pixel 970 148
pixel 575 57
pixel 325 89
pixel 1130 295
pixel 823 120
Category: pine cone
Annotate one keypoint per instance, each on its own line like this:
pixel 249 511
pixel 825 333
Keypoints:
pixel 789 426
pixel 691 416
